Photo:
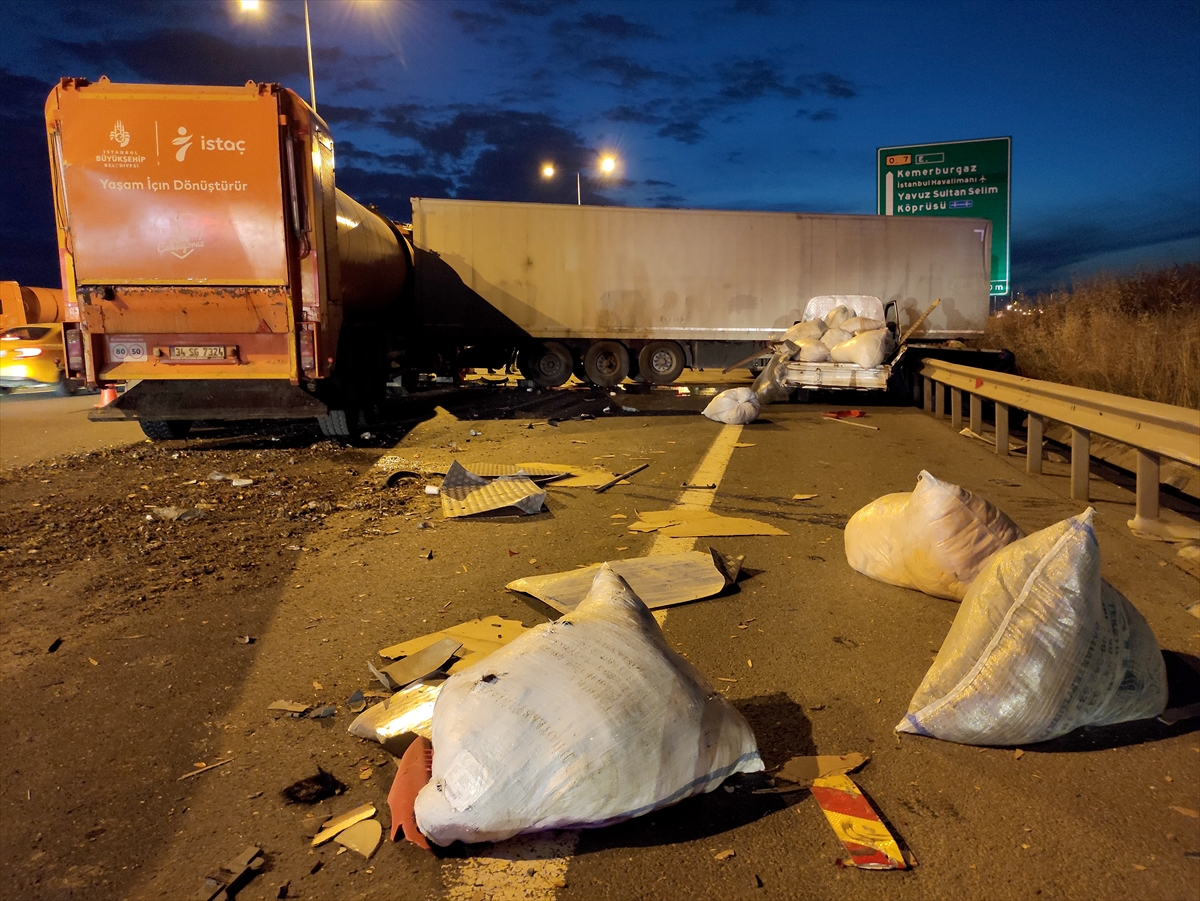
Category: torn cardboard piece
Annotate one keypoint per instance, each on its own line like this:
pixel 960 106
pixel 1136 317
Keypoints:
pixel 466 494
pixel 478 636
pixel 857 825
pixel 229 878
pixel 804 770
pixel 660 581
pixel 537 472
pixel 423 663
pixel 393 721
pixel 363 837
pixel 683 523
pixel 415 769
pixel 334 825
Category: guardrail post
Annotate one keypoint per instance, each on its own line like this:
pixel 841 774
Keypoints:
pixel 927 395
pixel 956 409
pixel 939 400
pixel 1147 484
pixel 976 414
pixel 1002 429
pixel 1081 462
pixel 1033 454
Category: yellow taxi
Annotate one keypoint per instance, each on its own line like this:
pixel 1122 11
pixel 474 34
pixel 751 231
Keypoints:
pixel 32 356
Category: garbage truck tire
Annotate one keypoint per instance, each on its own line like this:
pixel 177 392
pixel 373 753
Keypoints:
pixel 335 424
pixel 606 363
pixel 165 430
pixel 548 364
pixel 661 362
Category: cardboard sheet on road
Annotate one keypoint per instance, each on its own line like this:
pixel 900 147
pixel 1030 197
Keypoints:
pixel 660 581
pixel 685 523
pixel 466 494
pixel 478 636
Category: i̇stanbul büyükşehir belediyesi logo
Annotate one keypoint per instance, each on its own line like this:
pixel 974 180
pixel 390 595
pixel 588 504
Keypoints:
pixel 119 134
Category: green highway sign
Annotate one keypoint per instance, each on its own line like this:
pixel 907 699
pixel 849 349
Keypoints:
pixel 961 178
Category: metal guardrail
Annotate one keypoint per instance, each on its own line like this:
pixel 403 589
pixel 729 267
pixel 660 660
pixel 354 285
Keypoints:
pixel 1154 430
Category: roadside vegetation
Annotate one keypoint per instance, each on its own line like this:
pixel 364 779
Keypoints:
pixel 1138 336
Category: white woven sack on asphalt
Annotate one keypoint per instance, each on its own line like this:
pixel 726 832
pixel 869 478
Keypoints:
pixel 1041 646
pixel 811 351
pixel 733 406
pixel 813 328
pixel 835 336
pixel 935 538
pixel 582 722
pixel 867 349
pixel 862 324
pixel 839 314
pixel 769 387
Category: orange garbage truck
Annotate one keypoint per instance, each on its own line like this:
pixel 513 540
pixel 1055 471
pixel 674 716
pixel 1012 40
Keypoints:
pixel 210 263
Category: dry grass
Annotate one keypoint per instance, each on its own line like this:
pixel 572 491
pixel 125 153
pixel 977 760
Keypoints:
pixel 1138 336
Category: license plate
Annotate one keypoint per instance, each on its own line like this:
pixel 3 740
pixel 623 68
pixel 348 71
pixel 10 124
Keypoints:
pixel 198 353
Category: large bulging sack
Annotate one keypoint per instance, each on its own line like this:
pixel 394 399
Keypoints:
pixel 813 328
pixel 769 387
pixel 582 722
pixel 839 314
pixel 862 324
pixel 811 351
pixel 1041 646
pixel 934 539
pixel 734 406
pixel 867 349
pixel 835 336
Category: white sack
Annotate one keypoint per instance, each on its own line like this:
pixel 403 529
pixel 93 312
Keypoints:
pixel 867 349
pixel 935 539
pixel 582 722
pixel 769 386
pixel 733 406
pixel 811 351
pixel 858 304
pixel 862 324
pixel 814 328
pixel 1041 646
pixel 835 336
pixel 839 314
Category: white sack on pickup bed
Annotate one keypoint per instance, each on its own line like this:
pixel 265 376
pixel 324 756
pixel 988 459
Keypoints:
pixel 862 324
pixel 935 538
pixel 835 336
pixel 582 722
pixel 813 328
pixel 1041 646
pixel 811 351
pixel 839 314
pixel 867 349
pixel 733 406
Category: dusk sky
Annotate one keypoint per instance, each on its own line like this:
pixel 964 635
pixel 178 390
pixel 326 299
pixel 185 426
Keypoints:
pixel 732 104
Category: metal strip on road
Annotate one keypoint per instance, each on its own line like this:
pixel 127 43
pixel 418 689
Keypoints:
pixel 534 867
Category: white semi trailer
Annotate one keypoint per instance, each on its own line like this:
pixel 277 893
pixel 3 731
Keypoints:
pixel 616 292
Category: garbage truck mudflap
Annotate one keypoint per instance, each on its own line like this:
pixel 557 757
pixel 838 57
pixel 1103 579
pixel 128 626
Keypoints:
pixel 164 400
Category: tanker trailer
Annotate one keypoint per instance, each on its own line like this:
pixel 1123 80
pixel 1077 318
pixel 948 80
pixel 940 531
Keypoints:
pixel 26 305
pixel 208 260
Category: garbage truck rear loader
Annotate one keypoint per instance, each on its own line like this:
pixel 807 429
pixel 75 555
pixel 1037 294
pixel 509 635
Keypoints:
pixel 612 292
pixel 208 260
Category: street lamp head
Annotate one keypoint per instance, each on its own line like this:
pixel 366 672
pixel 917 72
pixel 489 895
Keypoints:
pixel 249 6
pixel 548 170
pixel 608 164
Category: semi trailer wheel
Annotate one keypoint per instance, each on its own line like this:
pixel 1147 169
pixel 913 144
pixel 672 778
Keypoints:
pixel 165 430
pixel 548 364
pixel 661 362
pixel 606 363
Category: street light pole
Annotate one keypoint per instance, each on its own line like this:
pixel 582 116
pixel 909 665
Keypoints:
pixel 578 191
pixel 312 84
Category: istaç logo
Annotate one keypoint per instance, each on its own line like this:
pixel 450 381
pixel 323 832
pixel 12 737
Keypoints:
pixel 183 142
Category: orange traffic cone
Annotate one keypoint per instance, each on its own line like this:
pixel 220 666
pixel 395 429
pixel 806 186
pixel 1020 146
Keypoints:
pixel 107 395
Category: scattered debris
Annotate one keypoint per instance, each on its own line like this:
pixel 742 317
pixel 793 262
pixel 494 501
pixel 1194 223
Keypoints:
pixel 314 788
pixel 177 514
pixel 433 490
pixel 803 497
pixel 725 855
pixel 225 882
pixel 423 663
pixel 711 486
pixel 291 708
pixel 244 639
pixel 744 444
pixel 323 712
pixel 466 494
pixel 1018 754
pixel 54 646
pixel 478 636
pixel 334 825
pixel 357 702
pixel 682 523
pixel 585 480
pixel 241 483
pixel 204 768
pixel 363 837
pixel 857 825
pixel 1186 811
pixel 844 416
pixel 660 581
pixel 804 770
pixel 602 488
pixel 413 772
pixel 1004 483
pixel 396 721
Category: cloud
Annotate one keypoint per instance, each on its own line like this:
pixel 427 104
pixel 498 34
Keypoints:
pixel 347 114
pixel 529 7
pixel 686 131
pixel 821 115
pixel 578 34
pixel 830 85
pixel 656 183
pixel 629 73
pixel 668 201
pixel 362 84
pixel 644 115
pixel 753 7
pixel 477 22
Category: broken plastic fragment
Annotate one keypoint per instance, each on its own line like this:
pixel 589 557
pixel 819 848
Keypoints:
pixel 857 825
pixel 423 662
pixel 357 702
pixel 362 837
pixel 334 825
pixel 411 776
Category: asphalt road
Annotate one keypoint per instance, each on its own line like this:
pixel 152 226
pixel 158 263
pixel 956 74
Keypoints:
pixel 827 664
pixel 35 425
